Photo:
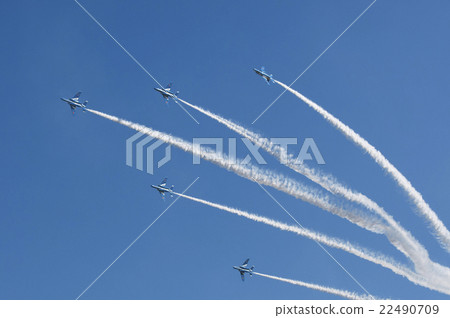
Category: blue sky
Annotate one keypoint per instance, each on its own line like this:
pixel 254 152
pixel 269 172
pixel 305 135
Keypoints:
pixel 70 205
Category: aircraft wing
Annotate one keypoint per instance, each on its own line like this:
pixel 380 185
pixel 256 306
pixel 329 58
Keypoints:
pixel 75 97
pixel 242 276
pixel 164 182
pixel 245 263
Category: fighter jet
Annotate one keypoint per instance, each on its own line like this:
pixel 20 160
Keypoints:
pixel 166 93
pixel 264 75
pixel 74 103
pixel 162 189
pixel 243 269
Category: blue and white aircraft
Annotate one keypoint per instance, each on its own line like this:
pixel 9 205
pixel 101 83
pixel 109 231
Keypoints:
pixel 166 93
pixel 74 103
pixel 244 269
pixel 162 189
pixel 264 75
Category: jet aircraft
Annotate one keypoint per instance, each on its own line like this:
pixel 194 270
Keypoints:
pixel 162 189
pixel 244 269
pixel 264 75
pixel 166 93
pixel 74 103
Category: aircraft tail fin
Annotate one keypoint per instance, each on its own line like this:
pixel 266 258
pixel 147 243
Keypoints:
pixel 85 103
pixel 171 191
pixel 178 92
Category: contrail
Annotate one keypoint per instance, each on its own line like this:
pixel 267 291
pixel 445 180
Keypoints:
pixel 440 230
pixel 329 290
pixel 439 273
pixel 397 235
pixel 438 279
pixel 258 175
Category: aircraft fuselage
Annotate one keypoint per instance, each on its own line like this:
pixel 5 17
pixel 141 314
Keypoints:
pixel 243 269
pixel 161 189
pixel 266 76
pixel 73 104
pixel 166 94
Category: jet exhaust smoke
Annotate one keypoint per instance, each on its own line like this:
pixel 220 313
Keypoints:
pixel 432 281
pixel 266 177
pixel 329 290
pixel 441 232
pixel 439 276
pixel 397 235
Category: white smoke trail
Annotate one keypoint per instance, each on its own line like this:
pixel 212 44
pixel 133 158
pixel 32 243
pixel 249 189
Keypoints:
pixel 398 236
pixel 258 175
pixel 329 290
pixel 439 274
pixel 438 279
pixel 440 230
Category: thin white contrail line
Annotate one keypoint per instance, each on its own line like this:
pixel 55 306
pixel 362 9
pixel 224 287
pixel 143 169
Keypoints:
pixel 318 243
pixel 317 58
pixel 326 289
pixel 181 106
pixel 129 54
pixel 137 238
pixel 117 42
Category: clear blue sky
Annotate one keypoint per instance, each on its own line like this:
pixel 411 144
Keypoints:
pixel 70 205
